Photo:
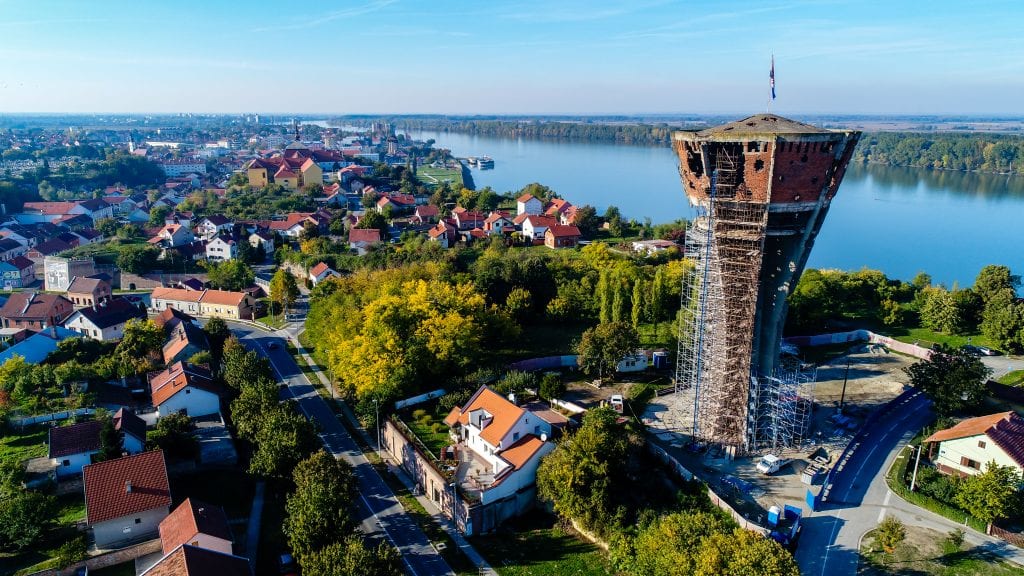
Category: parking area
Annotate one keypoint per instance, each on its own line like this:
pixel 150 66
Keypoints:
pixel 872 377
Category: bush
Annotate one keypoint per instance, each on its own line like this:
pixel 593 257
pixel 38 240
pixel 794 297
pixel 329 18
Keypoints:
pixel 426 420
pixel 418 413
pixel 551 386
pixel 953 542
pixel 453 399
pixel 437 427
pixel 71 551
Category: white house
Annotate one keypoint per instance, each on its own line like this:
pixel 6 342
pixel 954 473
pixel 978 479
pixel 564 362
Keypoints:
pixel 636 362
pixel 528 204
pixel 72 447
pixel 501 445
pixel 264 239
pixel 196 524
pixel 222 248
pixel 534 227
pixel 967 448
pixel 187 388
pixel 213 225
pixel 104 321
pixel 132 430
pixel 126 498
pixel 173 235
pixel 320 272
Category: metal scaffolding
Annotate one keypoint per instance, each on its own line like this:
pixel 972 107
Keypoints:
pixel 782 405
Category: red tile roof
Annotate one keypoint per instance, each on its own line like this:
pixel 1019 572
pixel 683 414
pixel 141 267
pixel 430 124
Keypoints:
pixel 190 560
pixel 1006 429
pixel 50 208
pixel 75 439
pixel 969 427
pixel 368 235
pixel 522 451
pixel 177 377
pixel 526 198
pixel 125 486
pixel 504 414
pixel 559 231
pixel 127 422
pixel 319 269
pixel 189 519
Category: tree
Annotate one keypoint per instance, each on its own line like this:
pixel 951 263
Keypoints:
pixel 107 226
pixel 890 533
pixel 241 366
pixel 230 275
pixel 990 495
pixel 743 552
pixel 157 215
pixel 637 314
pixel 247 410
pixel 602 347
pixel 175 435
pixel 1003 321
pixel 325 489
pixel 586 220
pixel 951 312
pixel 551 387
pixel 283 289
pixel 582 477
pixel 24 517
pixel 141 341
pixel 994 280
pixel 217 334
pixel 283 439
pixel 373 219
pixel 668 545
pixel 137 259
pixel 518 303
pixel 953 379
pixel 351 557
pixel 111 442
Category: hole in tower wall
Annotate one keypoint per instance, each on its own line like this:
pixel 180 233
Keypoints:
pixel 758 165
pixel 804 158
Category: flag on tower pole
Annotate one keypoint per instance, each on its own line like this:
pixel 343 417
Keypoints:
pixel 771 77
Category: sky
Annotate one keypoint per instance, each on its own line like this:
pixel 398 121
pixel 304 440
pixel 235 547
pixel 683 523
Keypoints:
pixel 526 57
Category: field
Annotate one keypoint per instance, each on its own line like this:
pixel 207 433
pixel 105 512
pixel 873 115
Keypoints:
pixel 431 176
pixel 19 446
pixel 535 546
pixel 925 552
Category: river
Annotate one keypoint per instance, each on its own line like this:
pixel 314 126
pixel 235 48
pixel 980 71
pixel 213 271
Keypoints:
pixel 898 220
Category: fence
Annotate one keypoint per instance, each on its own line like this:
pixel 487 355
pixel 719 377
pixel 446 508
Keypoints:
pixel 717 500
pixel 421 398
pixel 861 336
pixel 52 417
pixel 108 559
pixel 545 363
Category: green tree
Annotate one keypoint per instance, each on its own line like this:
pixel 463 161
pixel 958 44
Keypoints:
pixel 24 517
pixel 248 408
pixel 951 312
pixel 1003 321
pixel 175 435
pixel 551 387
pixel 139 345
pixel 602 347
pixel 71 551
pixel 582 477
pixel 283 439
pixel 351 557
pixel 325 489
pixel 283 289
pixel 230 275
pixel 241 366
pixel 157 214
pixel 137 259
pixel 668 546
pixel 111 443
pixel 953 379
pixel 107 226
pixel 637 314
pixel 374 219
pixel 519 303
pixel 890 533
pixel 586 220
pixel 994 280
pixel 217 334
pixel 743 552
pixel 990 495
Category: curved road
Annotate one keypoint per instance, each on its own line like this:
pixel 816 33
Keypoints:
pixel 860 499
pixel 379 509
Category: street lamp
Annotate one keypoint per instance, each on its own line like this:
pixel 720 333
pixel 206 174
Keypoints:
pixel 454 505
pixel 376 422
pixel 913 479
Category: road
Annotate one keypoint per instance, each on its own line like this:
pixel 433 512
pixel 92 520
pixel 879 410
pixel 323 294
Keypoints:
pixel 379 509
pixel 860 499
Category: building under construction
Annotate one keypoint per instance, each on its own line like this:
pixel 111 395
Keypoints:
pixel 761 187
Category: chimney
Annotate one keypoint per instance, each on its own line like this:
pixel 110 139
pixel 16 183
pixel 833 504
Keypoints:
pixel 127 486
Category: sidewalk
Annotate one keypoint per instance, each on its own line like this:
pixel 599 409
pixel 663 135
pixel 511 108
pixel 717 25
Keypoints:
pixel 398 472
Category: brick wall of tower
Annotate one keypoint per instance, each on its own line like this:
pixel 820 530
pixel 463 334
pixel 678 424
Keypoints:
pixel 802 169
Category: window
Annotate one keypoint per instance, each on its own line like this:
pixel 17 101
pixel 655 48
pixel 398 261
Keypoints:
pixel 515 436
pixel 138 520
pixel 66 463
pixel 981 443
pixel 968 463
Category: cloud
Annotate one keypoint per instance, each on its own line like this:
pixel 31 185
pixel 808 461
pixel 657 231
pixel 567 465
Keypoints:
pixel 314 21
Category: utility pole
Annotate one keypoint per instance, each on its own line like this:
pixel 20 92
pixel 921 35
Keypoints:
pixel 913 479
pixel 376 420
pixel 842 397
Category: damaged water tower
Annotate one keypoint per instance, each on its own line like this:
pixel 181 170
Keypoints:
pixel 761 188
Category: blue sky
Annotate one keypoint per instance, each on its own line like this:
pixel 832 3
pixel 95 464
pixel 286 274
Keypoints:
pixel 528 57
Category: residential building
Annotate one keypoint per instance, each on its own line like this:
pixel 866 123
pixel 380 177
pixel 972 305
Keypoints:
pixel 18 272
pixel 398 203
pixel 557 207
pixel 132 430
pixel 58 272
pixel 320 272
pixel 650 247
pixel 11 248
pixel 207 303
pixel 444 234
pixel 295 222
pixel 362 237
pixel 528 204
pixel 71 447
pixel 292 173
pixel 105 321
pixel 89 290
pixel 264 240
pixel 38 346
pixel 170 318
pixel 211 226
pixel 51 247
pixel 499 223
pixel 184 341
pixel 197 524
pixel 468 219
pixel 967 448
pixel 188 560
pixel 178 168
pixel 34 310
pixel 172 236
pixel 126 498
pixel 559 236
pixel 186 388
pixel 534 227
pixel 221 248
pixel 425 214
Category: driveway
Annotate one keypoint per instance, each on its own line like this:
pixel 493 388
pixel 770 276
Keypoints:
pixel 380 512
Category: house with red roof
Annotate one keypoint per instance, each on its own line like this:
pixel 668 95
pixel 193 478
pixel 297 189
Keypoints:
pixel 197 524
pixel 444 234
pixel 172 236
pixel 499 222
pixel 72 447
pixel 534 227
pixel 188 560
pixel 559 236
pixel 468 219
pixel 187 388
pixel 132 430
pixel 500 446
pixel 967 448
pixel 399 203
pixel 557 207
pixel 362 237
pixel 126 498
pixel 425 214
pixel 321 272
pixel 528 204
pixel 18 272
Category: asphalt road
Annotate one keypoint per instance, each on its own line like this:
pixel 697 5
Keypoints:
pixel 379 509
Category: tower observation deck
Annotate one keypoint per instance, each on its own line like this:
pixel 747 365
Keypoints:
pixel 761 188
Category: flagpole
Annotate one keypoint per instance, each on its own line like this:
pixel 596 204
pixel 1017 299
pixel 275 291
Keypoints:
pixel 771 84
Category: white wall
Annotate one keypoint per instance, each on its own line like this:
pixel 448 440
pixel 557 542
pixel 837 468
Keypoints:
pixel 951 451
pixel 516 481
pixel 211 543
pixel 193 401
pixel 126 527
pixel 75 463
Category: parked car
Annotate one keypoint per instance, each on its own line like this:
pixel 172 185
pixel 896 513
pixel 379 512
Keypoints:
pixel 770 464
pixel 986 351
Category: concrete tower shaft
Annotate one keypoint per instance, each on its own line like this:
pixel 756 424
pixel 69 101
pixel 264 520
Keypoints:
pixel 762 187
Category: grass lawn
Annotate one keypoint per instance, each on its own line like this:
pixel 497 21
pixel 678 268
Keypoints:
pixel 18 446
pixel 1015 378
pixel 535 546
pixel 922 552
pixel 435 441
pixel 274 321
pixel 70 509
pixel 927 337
pixel 431 176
